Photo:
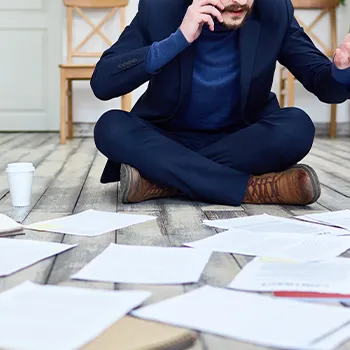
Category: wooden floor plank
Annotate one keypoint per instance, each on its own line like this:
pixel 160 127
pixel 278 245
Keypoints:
pixel 46 171
pixel 40 157
pixel 64 192
pixel 339 143
pixel 93 196
pixel 184 223
pixel 20 148
pixel 7 137
pixel 67 180
pixel 331 150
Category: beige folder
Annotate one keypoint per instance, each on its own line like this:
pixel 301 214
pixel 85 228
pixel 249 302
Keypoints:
pixel 132 333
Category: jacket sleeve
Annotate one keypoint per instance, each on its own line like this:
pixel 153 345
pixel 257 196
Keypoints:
pixel 122 68
pixel 309 65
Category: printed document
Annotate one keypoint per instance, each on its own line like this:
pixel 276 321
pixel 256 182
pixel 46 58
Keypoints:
pixel 269 223
pixel 16 254
pixel 144 264
pixel 60 318
pixel 339 218
pixel 90 223
pixel 294 246
pixel 249 317
pixel 264 275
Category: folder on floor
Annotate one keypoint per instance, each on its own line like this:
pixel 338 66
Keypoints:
pixel 137 334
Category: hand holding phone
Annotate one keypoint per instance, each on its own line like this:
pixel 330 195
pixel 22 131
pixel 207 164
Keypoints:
pixel 200 12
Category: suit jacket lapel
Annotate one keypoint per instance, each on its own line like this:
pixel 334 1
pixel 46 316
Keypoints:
pixel 248 40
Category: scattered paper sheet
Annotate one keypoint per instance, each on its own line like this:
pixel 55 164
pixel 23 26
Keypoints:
pixel 262 275
pixel 16 254
pixel 145 265
pixel 9 225
pixel 339 218
pixel 248 317
pixel 60 318
pixel 293 246
pixel 269 223
pixel 90 223
pixel 333 341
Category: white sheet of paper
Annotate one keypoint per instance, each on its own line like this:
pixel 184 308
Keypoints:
pixel 9 225
pixel 262 275
pixel 340 218
pixel 248 317
pixel 332 341
pixel 17 254
pixel 90 223
pixel 146 265
pixel 36 317
pixel 295 246
pixel 269 223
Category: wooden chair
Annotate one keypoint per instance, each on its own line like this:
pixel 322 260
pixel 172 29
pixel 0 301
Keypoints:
pixel 71 71
pixel 287 79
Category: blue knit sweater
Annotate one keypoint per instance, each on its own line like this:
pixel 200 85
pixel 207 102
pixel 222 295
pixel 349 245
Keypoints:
pixel 215 92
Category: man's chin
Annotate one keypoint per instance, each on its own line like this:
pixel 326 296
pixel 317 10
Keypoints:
pixel 232 25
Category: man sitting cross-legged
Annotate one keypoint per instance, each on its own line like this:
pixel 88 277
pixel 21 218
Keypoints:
pixel 208 125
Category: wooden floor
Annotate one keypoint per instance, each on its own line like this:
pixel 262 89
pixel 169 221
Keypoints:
pixel 67 181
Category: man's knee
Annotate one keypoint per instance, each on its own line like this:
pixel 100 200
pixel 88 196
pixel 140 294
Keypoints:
pixel 298 132
pixel 109 128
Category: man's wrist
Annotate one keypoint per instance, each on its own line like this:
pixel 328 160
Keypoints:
pixel 164 51
pixel 342 76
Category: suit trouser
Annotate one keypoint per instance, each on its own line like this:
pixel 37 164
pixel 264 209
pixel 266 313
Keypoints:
pixel 208 166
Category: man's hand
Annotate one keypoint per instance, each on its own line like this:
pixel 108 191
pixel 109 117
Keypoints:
pixel 199 13
pixel 342 54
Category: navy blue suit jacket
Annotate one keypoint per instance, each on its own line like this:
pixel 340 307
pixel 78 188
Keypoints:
pixel 271 34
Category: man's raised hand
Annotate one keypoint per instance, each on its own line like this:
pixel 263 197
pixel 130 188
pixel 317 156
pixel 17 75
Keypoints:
pixel 342 54
pixel 200 12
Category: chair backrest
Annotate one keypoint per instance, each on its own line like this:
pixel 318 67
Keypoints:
pixel 326 7
pixel 314 4
pixel 78 6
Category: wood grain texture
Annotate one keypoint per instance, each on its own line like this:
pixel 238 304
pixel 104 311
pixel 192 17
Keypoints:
pixel 67 180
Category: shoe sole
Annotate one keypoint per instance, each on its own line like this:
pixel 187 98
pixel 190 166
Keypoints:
pixel 314 181
pixel 125 181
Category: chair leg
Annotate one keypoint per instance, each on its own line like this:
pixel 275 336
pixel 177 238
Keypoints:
pixel 282 88
pixel 333 122
pixel 70 109
pixel 290 84
pixel 126 102
pixel 63 107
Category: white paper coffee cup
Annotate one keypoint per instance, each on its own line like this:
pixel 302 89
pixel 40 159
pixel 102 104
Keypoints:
pixel 20 180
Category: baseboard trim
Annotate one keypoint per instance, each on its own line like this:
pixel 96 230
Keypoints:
pixel 322 129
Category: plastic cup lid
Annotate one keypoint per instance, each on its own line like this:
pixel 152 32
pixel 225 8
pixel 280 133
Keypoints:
pixel 20 167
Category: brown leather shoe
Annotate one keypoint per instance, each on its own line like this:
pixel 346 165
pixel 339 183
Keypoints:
pixel 298 185
pixel 136 189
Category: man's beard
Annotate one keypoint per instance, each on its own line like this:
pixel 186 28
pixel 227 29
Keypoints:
pixel 236 7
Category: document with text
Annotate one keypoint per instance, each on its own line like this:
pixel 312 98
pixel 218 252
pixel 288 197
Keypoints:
pixel 339 218
pixel 249 317
pixel 264 275
pixel 269 223
pixel 294 246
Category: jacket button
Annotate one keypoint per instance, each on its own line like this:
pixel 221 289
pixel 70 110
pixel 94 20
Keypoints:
pixel 134 60
pixel 120 66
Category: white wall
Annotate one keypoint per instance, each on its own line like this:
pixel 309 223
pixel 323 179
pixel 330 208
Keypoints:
pixel 88 109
